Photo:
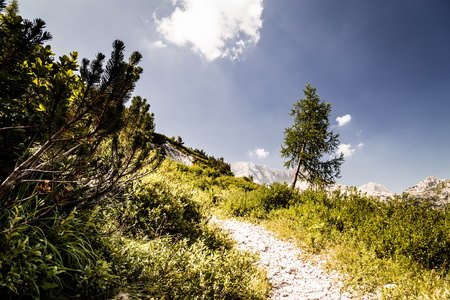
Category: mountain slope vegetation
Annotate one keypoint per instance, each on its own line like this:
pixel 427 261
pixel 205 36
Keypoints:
pixel 90 208
pixel 86 210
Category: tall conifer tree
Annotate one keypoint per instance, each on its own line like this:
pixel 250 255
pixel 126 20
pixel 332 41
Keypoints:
pixel 308 140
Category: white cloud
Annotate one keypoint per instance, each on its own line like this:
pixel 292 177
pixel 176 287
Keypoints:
pixel 158 44
pixel 346 149
pixel 213 28
pixel 258 153
pixel 360 145
pixel 343 120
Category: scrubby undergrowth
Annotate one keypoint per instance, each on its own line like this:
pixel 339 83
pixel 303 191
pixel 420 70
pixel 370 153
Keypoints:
pixel 399 248
pixel 152 242
pixel 86 208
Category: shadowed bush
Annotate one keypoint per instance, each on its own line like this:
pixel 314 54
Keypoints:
pixel 55 256
pixel 157 208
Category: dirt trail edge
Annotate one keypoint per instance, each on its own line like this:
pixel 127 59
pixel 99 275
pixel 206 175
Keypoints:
pixel 291 278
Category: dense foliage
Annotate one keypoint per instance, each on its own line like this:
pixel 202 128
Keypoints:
pixel 87 211
pixel 66 135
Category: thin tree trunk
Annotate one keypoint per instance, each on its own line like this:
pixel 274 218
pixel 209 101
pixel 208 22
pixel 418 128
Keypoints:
pixel 298 166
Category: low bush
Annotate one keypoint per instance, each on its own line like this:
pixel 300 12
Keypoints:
pixel 259 201
pixel 164 269
pixel 155 208
pixel 56 256
pixel 398 227
pixel 153 241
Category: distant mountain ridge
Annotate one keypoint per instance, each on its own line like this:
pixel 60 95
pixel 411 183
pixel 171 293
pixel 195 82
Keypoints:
pixel 431 188
pixel 264 175
pixel 260 173
pixel 376 189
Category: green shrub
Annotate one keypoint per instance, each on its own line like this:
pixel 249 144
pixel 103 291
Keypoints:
pixel 55 256
pixel 157 208
pixel 258 202
pixel 164 269
pixel 240 204
pixel 390 229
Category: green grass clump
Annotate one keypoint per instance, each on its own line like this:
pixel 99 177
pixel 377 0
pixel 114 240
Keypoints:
pixel 164 269
pixel 155 208
pixel 54 257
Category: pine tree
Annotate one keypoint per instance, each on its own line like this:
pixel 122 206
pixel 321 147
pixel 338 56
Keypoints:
pixel 308 140
pixel 64 128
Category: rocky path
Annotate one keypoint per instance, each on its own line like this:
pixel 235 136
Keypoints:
pixel 291 278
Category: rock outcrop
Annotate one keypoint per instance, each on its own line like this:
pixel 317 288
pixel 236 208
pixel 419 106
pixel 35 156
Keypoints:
pixel 261 174
pixel 176 155
pixel 376 189
pixel 431 189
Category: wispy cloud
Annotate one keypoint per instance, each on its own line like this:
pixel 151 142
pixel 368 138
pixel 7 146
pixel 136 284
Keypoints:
pixel 258 153
pixel 158 44
pixel 348 150
pixel 213 28
pixel 343 120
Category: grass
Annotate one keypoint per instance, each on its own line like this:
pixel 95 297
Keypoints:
pixel 163 268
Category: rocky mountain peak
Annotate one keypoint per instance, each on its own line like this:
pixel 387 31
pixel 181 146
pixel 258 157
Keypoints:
pixel 431 189
pixel 374 187
pixel 425 185
pixel 261 174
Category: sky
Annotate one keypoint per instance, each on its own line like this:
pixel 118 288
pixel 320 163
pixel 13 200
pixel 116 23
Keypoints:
pixel 223 74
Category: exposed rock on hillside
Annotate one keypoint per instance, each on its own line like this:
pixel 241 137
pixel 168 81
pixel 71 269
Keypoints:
pixel 424 186
pixel 431 189
pixel 176 154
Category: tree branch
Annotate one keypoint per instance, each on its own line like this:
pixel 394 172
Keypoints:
pixel 20 127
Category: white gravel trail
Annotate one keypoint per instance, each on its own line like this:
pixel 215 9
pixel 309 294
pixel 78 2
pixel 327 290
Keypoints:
pixel 291 278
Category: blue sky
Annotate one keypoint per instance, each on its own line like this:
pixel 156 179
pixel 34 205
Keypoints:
pixel 223 74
